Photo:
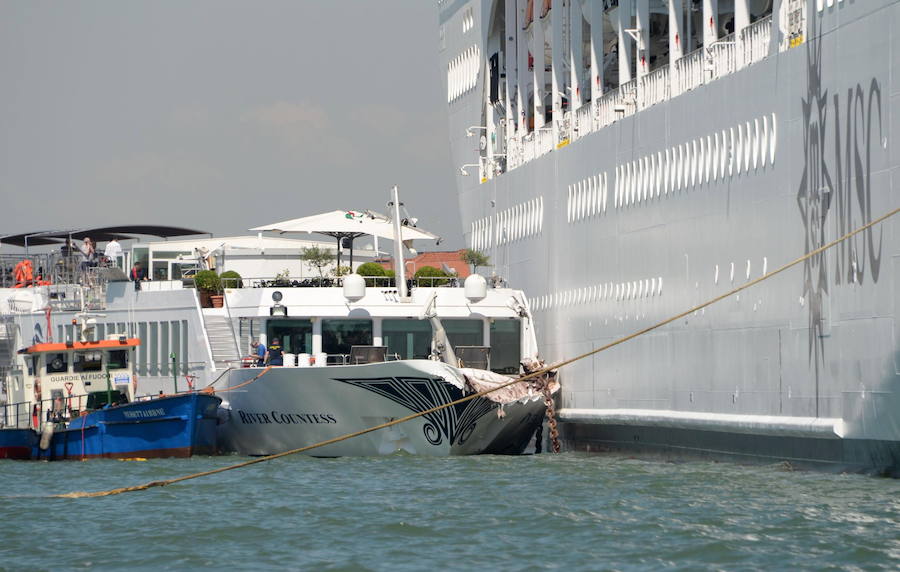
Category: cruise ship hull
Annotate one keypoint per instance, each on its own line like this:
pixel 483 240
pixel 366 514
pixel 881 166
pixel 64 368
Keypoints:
pixel 675 204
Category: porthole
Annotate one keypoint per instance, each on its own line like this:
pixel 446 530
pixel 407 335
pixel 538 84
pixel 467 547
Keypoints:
pixel 605 189
pixel 731 275
pixel 679 168
pixel 716 275
pixel 667 172
pixel 645 177
pixel 764 142
pixel 723 155
pixel 653 286
pixel 569 205
pixel 732 147
pixel 709 158
pixel 659 287
pixel 765 265
pixel 690 164
pixel 659 172
pixel 747 146
pixel 773 138
pixel 747 271
pixel 739 153
pixel 541 216
pixel 696 159
pixel 634 182
pixel 715 157
pixel 756 142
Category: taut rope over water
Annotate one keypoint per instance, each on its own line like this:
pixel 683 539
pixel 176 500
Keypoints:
pixel 529 376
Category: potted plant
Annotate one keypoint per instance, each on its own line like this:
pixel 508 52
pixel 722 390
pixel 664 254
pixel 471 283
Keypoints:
pixel 208 285
pixel 231 279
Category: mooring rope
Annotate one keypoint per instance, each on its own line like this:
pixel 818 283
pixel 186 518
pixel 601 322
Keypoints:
pixel 529 376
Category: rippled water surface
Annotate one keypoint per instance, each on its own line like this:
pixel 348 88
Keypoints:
pixel 567 511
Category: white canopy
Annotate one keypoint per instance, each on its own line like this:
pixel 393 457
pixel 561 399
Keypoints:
pixel 346 224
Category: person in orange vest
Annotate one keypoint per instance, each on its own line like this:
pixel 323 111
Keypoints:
pixel 24 274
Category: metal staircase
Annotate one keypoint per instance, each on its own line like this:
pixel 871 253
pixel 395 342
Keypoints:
pixel 222 340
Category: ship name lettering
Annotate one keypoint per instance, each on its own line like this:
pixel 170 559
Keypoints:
pixel 283 418
pixel 143 413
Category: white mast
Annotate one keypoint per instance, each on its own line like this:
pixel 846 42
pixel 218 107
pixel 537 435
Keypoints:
pixel 399 264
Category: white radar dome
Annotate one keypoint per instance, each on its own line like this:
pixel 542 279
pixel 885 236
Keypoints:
pixel 354 287
pixel 476 287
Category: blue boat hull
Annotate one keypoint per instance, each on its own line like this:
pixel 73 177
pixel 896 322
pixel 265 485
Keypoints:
pixel 17 443
pixel 175 426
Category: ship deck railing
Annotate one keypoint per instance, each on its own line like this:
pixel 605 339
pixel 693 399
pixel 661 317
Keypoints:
pixel 693 70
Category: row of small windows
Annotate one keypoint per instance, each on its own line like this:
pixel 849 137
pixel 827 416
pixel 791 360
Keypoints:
pixel 747 270
pixel 587 198
pixel 462 73
pixel 622 291
pixel 515 223
pixel 468 20
pixel 748 146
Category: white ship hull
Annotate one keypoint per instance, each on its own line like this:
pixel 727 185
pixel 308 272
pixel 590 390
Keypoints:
pixel 675 188
pixel 289 408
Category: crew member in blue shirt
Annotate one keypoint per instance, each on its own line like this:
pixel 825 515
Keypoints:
pixel 260 353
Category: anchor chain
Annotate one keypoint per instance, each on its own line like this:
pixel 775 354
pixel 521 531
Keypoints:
pixel 551 415
pixel 543 383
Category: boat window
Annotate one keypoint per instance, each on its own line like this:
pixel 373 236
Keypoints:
pixel 57 363
pixel 506 346
pixel 295 335
pixel 117 359
pixel 464 332
pixel 88 361
pixel 339 335
pixel 31 364
pixel 408 339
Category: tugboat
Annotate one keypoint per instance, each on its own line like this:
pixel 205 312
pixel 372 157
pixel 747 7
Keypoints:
pixel 76 400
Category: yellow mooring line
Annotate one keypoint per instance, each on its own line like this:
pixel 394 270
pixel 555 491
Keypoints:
pixel 532 375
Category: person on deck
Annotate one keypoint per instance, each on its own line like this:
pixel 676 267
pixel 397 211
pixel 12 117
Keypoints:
pixel 137 275
pixel 275 353
pixel 259 353
pixel 88 254
pixel 113 252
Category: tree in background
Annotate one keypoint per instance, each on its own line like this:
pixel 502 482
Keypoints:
pixel 318 257
pixel 475 259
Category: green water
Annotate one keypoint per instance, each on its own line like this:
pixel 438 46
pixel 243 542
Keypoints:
pixel 567 511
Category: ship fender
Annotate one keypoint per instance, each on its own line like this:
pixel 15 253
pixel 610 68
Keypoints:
pixel 46 436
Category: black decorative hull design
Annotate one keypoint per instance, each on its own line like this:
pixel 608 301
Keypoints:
pixel 418 394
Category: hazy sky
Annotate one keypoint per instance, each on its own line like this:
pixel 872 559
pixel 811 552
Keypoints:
pixel 220 115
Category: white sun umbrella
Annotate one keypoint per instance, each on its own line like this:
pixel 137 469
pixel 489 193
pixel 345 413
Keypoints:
pixel 347 224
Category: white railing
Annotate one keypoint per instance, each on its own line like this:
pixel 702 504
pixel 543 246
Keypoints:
pixel 755 40
pixel 689 71
pixel 584 121
pixel 697 68
pixel 654 87
pixel 720 56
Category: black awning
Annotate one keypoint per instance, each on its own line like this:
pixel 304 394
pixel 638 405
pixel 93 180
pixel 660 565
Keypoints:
pixel 101 234
pixel 149 229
